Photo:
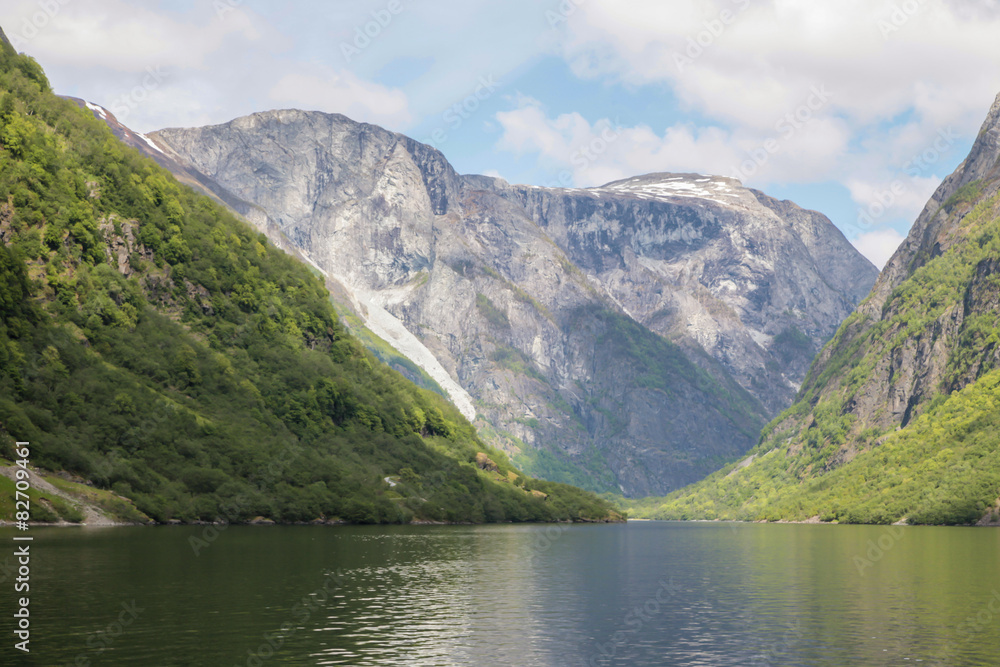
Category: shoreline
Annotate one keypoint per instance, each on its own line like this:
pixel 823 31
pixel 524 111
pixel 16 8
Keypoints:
pixel 66 524
pixel 331 523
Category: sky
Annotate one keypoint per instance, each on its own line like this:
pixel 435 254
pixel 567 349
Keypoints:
pixel 855 108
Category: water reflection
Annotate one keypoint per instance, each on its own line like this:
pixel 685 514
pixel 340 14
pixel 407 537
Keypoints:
pixel 642 594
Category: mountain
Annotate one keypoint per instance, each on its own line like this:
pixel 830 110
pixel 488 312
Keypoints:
pixel 156 347
pixel 899 418
pixel 759 284
pixel 631 337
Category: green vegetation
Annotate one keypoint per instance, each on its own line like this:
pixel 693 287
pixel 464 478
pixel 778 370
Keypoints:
pixel 112 504
pixel 492 273
pixel 641 359
pixel 50 507
pixel 594 474
pixel 526 298
pixel 386 353
pixel 44 507
pixel 964 196
pixel 157 346
pixel 666 368
pixel 792 344
pixel 514 360
pixel 493 315
pixel 942 467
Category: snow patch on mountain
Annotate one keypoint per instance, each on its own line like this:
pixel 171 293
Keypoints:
pixel 98 110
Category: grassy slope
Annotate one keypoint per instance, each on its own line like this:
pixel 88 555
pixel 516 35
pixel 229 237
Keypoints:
pixel 942 468
pixel 155 345
pixel 52 508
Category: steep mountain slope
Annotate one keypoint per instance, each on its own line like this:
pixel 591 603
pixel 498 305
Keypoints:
pixel 898 417
pixel 427 374
pixel 530 297
pixel 549 360
pixel 759 284
pixel 153 344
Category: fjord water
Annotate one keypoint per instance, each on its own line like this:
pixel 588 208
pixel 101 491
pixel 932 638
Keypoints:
pixel 636 594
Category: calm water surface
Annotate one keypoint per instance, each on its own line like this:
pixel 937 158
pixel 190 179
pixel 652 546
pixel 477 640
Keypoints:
pixel 641 594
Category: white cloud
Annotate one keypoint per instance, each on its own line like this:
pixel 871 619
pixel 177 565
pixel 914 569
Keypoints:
pixel 891 91
pixel 878 246
pixel 342 92
pixel 880 201
pixel 896 79
pixel 753 69
pixel 593 154
pixel 122 36
pixel 213 61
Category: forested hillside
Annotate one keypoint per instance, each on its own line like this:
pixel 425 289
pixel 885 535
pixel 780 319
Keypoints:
pixel 153 344
pixel 899 417
pixel 627 338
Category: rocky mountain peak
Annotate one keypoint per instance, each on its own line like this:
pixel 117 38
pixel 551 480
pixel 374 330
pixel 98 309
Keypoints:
pixel 935 230
pixel 619 336
pixel 703 258
pixel 983 161
pixel 897 420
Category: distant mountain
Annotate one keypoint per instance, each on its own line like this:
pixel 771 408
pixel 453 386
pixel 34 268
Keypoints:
pixel 760 284
pixel 899 418
pixel 632 337
pixel 155 346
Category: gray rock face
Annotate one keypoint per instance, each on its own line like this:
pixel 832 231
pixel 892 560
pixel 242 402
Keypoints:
pixel 629 337
pixel 932 234
pixel 916 368
pixel 759 284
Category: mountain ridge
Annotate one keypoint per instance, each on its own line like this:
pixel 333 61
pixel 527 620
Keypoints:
pixel 420 233
pixel 156 346
pixel 898 418
pixel 919 245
